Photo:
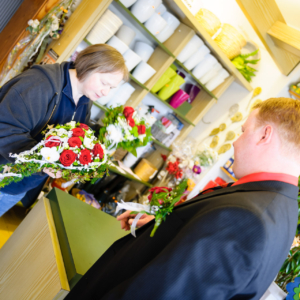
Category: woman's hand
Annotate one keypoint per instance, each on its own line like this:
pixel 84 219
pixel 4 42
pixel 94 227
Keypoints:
pixel 126 220
pixel 50 172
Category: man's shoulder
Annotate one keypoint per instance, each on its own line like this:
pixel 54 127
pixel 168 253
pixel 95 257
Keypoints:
pixel 252 199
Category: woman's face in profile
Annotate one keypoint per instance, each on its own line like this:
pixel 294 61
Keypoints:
pixel 97 85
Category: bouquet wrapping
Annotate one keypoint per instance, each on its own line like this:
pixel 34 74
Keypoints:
pixel 72 149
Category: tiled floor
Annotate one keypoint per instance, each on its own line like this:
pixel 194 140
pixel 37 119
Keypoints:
pixel 9 222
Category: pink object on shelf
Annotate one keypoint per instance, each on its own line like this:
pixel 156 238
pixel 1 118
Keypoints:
pixel 178 98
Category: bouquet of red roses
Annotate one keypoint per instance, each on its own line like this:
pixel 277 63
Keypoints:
pixel 72 149
pixel 162 200
pixel 123 128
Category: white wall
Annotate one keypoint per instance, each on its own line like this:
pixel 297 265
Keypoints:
pixel 268 77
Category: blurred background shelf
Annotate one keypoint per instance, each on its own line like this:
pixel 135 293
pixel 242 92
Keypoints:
pixel 173 109
pixel 174 44
pixel 196 79
pixel 191 21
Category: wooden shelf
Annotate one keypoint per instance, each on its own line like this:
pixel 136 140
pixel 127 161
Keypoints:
pixel 196 79
pixel 223 87
pixel 78 26
pixel 161 144
pixel 137 95
pixel 174 44
pixel 173 109
pixel 160 61
pixel 191 21
pixel 100 106
pixel 89 12
pixel 137 82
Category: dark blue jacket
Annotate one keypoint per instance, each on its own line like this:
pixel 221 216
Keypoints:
pixel 228 244
pixel 27 103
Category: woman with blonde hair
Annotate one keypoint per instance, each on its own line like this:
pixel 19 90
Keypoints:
pixel 50 95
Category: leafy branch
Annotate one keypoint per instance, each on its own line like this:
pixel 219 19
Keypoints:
pixel 241 63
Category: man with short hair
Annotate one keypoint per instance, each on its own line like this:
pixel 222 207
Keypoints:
pixel 51 95
pixel 226 244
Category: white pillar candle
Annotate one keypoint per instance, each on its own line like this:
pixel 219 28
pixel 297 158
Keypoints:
pixel 216 81
pixel 197 57
pixel 211 74
pixel 204 66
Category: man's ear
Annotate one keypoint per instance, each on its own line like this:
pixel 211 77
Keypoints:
pixel 266 133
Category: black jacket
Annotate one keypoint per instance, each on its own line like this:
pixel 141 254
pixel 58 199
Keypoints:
pixel 27 102
pixel 228 244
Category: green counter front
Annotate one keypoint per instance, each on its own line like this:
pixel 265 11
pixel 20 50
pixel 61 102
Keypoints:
pixel 53 247
pixel 84 233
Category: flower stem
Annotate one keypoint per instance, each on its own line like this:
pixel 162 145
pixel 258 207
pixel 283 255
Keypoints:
pixel 156 225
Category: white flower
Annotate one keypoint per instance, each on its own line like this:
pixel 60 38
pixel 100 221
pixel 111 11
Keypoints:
pixel 55 23
pixel 114 134
pixel 141 137
pixel 184 163
pixel 72 124
pixel 162 173
pixel 88 143
pixel 50 154
pixel 129 137
pixel 191 164
pixel 34 23
pixel 172 159
pixel 61 132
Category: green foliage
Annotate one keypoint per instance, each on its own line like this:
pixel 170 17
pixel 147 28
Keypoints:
pixel 291 267
pixel 165 201
pixel 241 63
pixel 29 168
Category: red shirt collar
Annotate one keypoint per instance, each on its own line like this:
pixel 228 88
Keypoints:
pixel 264 176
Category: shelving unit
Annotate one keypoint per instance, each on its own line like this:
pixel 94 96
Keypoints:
pixel 173 109
pixel 88 13
pixel 191 21
pixel 196 79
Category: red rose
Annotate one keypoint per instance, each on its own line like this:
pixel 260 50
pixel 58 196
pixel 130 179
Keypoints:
pixel 98 151
pixel 51 144
pixel 67 157
pixel 141 129
pixel 131 122
pixel 164 157
pixel 85 157
pixel 78 132
pixel 84 126
pixel 178 174
pixel 74 141
pixel 128 112
pixel 158 190
pixel 173 168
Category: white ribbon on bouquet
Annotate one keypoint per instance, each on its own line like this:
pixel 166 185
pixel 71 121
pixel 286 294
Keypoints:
pixel 136 207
